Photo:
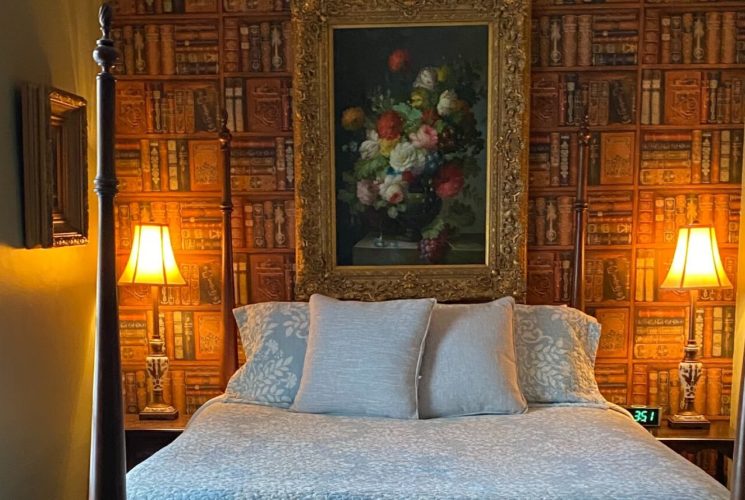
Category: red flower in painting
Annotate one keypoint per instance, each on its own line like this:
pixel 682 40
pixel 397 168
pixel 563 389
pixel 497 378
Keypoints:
pixel 449 180
pixel 399 60
pixel 430 116
pixel 390 125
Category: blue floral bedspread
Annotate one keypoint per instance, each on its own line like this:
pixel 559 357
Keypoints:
pixel 234 451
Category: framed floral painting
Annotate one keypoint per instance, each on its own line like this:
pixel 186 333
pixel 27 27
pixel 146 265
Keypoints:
pixel 411 162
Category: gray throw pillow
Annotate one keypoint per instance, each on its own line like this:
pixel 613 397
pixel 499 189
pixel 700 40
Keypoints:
pixel 556 347
pixel 469 365
pixel 363 357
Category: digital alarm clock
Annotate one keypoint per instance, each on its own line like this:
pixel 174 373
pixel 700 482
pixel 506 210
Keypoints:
pixel 646 416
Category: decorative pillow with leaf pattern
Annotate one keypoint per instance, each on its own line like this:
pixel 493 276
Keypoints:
pixel 274 337
pixel 556 348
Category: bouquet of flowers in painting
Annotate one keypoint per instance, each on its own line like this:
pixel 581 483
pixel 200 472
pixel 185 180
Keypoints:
pixel 415 146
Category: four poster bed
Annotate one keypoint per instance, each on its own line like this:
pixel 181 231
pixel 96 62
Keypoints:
pixel 237 450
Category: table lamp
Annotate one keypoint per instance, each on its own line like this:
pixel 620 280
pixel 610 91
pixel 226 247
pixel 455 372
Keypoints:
pixel 152 263
pixel 696 265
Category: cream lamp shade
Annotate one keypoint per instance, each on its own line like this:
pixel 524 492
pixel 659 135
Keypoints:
pixel 151 261
pixel 696 263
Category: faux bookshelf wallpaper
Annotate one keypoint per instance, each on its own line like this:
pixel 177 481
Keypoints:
pixel 662 84
pixel 179 59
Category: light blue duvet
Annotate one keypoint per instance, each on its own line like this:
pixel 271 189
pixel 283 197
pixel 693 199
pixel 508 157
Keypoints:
pixel 233 450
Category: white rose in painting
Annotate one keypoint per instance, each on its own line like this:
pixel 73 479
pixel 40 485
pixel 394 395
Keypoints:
pixel 371 147
pixel 393 189
pixel 405 156
pixel 447 102
pixel 426 79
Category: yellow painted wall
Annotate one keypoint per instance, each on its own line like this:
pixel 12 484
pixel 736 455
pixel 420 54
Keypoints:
pixel 46 296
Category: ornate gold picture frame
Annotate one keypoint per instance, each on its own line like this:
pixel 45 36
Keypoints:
pixel 410 116
pixel 55 167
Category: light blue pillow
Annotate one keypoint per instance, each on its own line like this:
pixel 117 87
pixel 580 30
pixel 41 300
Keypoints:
pixel 363 357
pixel 556 348
pixel 274 337
pixel 469 365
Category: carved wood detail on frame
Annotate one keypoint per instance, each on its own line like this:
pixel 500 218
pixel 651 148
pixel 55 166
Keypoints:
pixel 55 167
pixel 365 259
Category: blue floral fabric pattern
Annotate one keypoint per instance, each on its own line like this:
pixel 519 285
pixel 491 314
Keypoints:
pixel 239 451
pixel 274 337
pixel 556 347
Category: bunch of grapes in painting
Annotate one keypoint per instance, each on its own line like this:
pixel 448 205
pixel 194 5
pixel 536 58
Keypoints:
pixel 415 147
pixel 432 250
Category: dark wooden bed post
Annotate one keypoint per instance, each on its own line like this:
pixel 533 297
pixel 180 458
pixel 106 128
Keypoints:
pixel 738 456
pixel 577 299
pixel 230 341
pixel 107 466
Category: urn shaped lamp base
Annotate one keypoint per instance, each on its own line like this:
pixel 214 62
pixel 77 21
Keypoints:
pixel 157 368
pixel 690 371
pixel 696 266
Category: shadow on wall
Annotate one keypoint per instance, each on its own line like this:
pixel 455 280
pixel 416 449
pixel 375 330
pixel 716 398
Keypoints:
pixel 41 43
pixel 47 296
pixel 23 59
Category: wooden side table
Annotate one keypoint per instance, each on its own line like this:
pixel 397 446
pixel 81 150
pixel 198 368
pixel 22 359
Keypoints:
pixel 718 437
pixel 145 437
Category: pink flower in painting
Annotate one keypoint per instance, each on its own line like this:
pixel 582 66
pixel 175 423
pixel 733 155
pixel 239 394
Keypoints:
pixel 425 138
pixel 367 191
pixel 399 60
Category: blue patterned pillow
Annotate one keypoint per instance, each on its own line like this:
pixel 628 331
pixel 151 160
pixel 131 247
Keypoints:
pixel 556 347
pixel 274 337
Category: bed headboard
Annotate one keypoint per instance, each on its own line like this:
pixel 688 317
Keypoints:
pixel 230 357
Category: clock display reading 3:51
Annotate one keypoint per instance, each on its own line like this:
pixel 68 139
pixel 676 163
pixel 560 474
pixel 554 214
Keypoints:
pixel 646 416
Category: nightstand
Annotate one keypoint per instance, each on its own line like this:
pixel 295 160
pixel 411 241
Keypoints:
pixel 145 437
pixel 718 437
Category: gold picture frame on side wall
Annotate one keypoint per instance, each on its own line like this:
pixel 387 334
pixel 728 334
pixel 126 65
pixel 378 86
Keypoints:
pixel 55 167
pixel 411 126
